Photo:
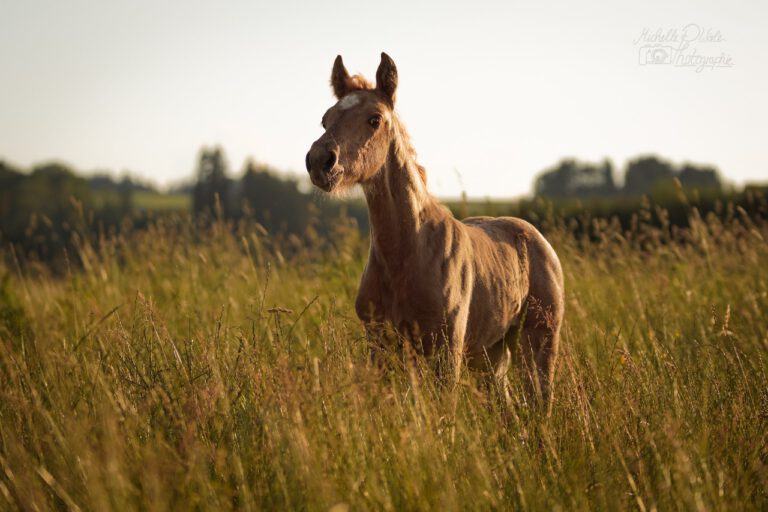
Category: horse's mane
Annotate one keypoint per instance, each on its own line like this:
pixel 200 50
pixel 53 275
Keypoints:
pixel 405 141
pixel 358 83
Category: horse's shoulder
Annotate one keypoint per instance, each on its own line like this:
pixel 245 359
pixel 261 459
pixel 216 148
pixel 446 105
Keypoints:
pixel 372 292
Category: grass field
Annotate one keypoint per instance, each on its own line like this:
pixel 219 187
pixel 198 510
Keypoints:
pixel 162 202
pixel 220 368
pixel 145 200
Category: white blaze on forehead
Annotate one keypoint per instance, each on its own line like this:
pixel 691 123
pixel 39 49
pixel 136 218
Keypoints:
pixel 349 101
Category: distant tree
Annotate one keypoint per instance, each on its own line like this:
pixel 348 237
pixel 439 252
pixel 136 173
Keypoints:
pixel 212 183
pixel 40 209
pixel 45 207
pixel 274 201
pixel 101 182
pixel 114 198
pixel 184 187
pixel 10 180
pixel 705 178
pixel 554 183
pixel 53 190
pixel 104 181
pixel 646 175
pixel 573 179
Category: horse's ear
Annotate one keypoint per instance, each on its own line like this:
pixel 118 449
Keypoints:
pixel 386 77
pixel 339 78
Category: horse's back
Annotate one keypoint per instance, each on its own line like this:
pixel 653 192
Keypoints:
pixel 535 254
pixel 515 231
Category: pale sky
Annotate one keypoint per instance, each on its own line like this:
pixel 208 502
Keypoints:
pixel 493 91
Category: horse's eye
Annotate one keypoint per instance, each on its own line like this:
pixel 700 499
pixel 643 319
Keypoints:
pixel 375 121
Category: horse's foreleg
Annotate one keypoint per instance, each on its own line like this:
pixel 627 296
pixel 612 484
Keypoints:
pixel 494 362
pixel 381 338
pixel 538 351
pixel 457 339
pixel 457 331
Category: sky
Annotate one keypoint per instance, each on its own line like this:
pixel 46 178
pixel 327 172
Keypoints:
pixel 492 93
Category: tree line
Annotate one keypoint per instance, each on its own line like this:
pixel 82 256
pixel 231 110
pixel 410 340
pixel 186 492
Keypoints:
pixel 263 194
pixel 42 208
pixel 645 175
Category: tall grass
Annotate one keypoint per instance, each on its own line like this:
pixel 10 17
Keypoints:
pixel 221 368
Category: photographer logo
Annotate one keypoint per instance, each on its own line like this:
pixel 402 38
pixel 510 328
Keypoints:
pixel 692 46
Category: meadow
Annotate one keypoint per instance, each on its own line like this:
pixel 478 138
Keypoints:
pixel 215 366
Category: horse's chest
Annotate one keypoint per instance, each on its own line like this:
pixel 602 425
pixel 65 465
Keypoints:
pixel 416 296
pixel 412 301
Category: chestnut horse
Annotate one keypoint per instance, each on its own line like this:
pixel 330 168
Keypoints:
pixel 482 286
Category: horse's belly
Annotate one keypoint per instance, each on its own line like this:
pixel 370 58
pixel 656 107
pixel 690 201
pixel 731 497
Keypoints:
pixel 492 314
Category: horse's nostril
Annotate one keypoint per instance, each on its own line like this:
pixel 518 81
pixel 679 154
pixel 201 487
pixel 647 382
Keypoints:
pixel 330 161
pixel 306 162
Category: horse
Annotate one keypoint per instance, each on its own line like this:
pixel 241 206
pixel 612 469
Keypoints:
pixel 480 287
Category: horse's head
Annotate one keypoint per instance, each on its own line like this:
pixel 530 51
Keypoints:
pixel 358 128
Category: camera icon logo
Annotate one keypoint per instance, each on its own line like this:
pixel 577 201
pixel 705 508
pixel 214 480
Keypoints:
pixel 655 54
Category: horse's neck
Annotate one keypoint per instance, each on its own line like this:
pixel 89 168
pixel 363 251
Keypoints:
pixel 398 205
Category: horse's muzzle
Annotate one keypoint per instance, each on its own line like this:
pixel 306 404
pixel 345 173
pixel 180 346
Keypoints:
pixel 321 165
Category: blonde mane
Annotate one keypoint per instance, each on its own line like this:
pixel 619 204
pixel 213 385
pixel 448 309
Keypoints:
pixel 405 142
pixel 358 83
